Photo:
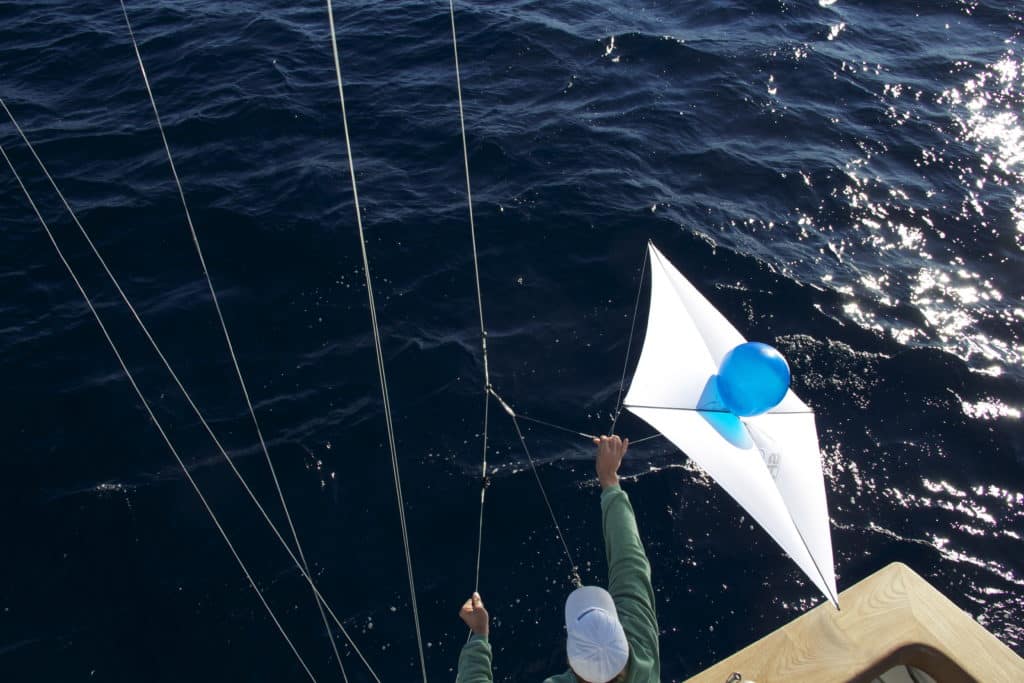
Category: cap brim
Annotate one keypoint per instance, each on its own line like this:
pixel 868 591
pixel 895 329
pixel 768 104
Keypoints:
pixel 585 598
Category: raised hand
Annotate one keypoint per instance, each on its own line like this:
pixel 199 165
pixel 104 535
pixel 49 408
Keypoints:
pixel 475 615
pixel 610 451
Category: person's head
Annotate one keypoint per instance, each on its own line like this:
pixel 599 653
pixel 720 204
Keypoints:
pixel 595 644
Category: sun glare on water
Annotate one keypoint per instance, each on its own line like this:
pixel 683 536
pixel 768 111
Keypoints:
pixel 950 235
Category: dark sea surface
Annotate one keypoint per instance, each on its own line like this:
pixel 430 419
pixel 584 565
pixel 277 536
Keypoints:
pixel 844 180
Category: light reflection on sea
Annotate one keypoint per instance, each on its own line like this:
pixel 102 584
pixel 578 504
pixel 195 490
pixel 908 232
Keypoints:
pixel 958 305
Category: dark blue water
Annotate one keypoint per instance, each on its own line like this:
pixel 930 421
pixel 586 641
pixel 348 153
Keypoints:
pixel 845 181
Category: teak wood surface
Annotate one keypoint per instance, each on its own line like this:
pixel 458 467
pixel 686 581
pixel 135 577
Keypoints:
pixel 890 618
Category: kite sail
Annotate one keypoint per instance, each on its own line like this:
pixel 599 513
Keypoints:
pixel 770 464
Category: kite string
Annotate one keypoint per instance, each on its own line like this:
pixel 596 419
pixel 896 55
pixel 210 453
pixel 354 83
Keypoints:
pixel 629 346
pixel 378 347
pixel 484 481
pixel 156 422
pixel 178 382
pixel 488 388
pixel 227 336
pixel 469 197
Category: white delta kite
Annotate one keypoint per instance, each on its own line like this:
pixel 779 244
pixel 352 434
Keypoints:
pixel 770 464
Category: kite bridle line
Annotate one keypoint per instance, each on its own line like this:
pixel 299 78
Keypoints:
pixel 629 344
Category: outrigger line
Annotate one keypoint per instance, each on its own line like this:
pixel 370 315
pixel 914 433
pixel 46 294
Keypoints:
pixel 227 336
pixel 378 349
pixel 156 422
pixel 299 561
pixel 174 376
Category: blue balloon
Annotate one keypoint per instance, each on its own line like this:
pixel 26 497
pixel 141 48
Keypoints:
pixel 752 379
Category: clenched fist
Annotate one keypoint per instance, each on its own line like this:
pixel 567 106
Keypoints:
pixel 475 615
pixel 610 450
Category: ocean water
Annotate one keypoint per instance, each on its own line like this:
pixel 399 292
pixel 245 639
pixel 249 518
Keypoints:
pixel 843 179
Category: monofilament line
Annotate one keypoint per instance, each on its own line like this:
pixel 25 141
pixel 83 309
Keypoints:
pixel 224 328
pixel 479 297
pixel 156 422
pixel 378 347
pixel 180 385
pixel 469 196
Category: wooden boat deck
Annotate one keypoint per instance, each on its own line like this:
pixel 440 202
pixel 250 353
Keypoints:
pixel 893 617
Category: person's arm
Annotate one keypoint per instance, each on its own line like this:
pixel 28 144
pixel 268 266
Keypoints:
pixel 475 657
pixel 629 572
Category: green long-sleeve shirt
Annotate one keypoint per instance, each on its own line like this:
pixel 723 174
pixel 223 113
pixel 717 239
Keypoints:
pixel 475 661
pixel 629 582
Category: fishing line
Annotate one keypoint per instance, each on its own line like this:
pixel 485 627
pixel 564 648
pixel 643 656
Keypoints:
pixel 224 328
pixel 377 346
pixel 488 388
pixel 479 296
pixel 156 422
pixel 180 385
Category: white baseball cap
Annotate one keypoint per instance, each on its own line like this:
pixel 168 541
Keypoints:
pixel 596 644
